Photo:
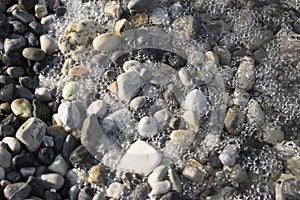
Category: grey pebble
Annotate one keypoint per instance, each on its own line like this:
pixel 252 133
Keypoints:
pixel 142 5
pixel 4 80
pixel 5 157
pixel 13 59
pixel 22 92
pixel 43 94
pixel 24 160
pixel 229 155
pixel 13 176
pixel 15 72
pixel 27 171
pixel 28 82
pixel 140 192
pixel 234 120
pixel 13 144
pixel 4 28
pixel 18 27
pixel 31 39
pixel 23 16
pixel 48 141
pixel 14 43
pixel 7 93
pixel 85 194
pixel 41 110
pixel 33 53
pixel 27 4
pixel 69 145
pixel 17 191
pixel 59 165
pixel 36 27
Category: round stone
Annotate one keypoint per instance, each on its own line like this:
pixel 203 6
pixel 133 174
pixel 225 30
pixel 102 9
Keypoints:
pixel 22 108
pixel 48 44
pixel 147 127
pixel 34 54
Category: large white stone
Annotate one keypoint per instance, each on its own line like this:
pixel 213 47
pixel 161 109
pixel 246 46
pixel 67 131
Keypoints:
pixel 196 101
pixel 140 158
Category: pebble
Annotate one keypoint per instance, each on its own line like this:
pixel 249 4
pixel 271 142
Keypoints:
pixel 173 195
pixel 18 27
pixel 128 85
pixel 82 157
pixel 157 175
pixel 255 113
pixel 70 91
pixel 137 102
pixel 140 192
pixel 27 4
pixel 187 24
pixel 4 29
pixel 14 43
pixel 13 59
pixel 27 171
pixel 196 101
pixel 293 165
pixel 234 120
pixel 224 55
pixel 245 74
pixel 147 127
pixel 31 39
pixel 176 10
pixel 140 158
pixel 70 143
pixel 114 190
pixel 132 65
pixel 185 77
pixel 192 173
pixel 17 191
pixel 13 144
pixel 99 197
pixel 36 27
pixel 160 188
pixel 121 26
pixel 22 92
pixel 43 94
pixel 24 160
pixel 73 192
pixel 5 157
pixel 23 16
pixel 41 110
pixel 240 97
pixel 40 9
pixel 159 16
pixel 272 133
pixel 108 42
pixel 53 181
pixel 31 133
pixel 59 165
pixel 229 155
pixel 142 5
pixel 15 72
pixel 27 82
pixel 13 176
pixel 97 174
pixel 162 117
pixel 7 93
pixel 79 71
pixel 48 44
pixel 2 173
pixel 45 155
pixel 174 180
pixel 72 113
pixel 85 193
pixel 34 54
pixel 182 138
pixel 21 108
pixel 99 108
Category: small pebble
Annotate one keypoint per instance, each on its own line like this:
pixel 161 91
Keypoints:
pixel 22 108
pixel 114 190
pixel 33 54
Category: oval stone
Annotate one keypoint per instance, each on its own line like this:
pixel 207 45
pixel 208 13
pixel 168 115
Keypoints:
pixel 33 54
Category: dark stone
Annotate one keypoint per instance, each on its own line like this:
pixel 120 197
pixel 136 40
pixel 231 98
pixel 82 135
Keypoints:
pixel 85 194
pixel 32 40
pixel 73 192
pixel 51 196
pixel 6 130
pixel 14 43
pixel 4 28
pixel 46 156
pixel 41 110
pixel 24 160
pixel 2 7
pixel 60 11
pixel 224 55
pixel 27 4
pixel 36 189
pixel 7 2
pixel 23 16
pixel 172 196
pixel 36 27
pixel 58 143
pixel 140 192
pixel 15 72
pixel 171 99
pixel 5 80
pixel 13 59
pixel 13 176
pixel 214 160
pixel 28 82
pixel 80 156
pixel 22 92
pixel 7 93
pixel 69 145
pixel 18 27
pixel 11 120
pixel 42 169
pixel 17 191
pixel 291 188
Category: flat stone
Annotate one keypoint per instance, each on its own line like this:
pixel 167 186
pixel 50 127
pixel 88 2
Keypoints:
pixel 142 5
pixel 72 113
pixel 31 133
pixel 53 180
pixel 128 85
pixel 114 190
pixel 21 108
pixel 48 44
pixel 34 54
pixel 108 42
pixel 13 144
pixel 59 165
pixel 245 74
pixel 17 191
pixel 5 158
pixel 99 108
pixel 147 127
pixel 98 144
pixel 14 43
pixel 140 158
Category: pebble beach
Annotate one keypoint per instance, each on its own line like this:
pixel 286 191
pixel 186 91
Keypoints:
pixel 149 99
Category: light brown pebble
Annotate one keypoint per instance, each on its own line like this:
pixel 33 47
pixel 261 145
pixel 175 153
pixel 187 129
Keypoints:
pixel 79 71
pixel 112 87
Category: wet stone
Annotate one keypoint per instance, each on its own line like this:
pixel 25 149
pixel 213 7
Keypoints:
pixel 48 44
pixel 229 155
pixel 192 173
pixel 7 93
pixel 48 141
pixel 36 185
pixel 22 92
pixel 33 54
pixel 69 145
pixel 147 127
pixel 15 72
pixel 97 174
pixel 234 120
pixel 23 160
pixel 13 144
pixel 142 5
pixel 27 4
pixel 27 171
pixel 28 82
pixel 13 176
pixel 160 188
pixel 36 27
pixel 114 190
pixel 245 74
pixel 43 94
pixel 59 165
pixel 4 28
pixel 173 195
pixel 17 191
pixel 14 43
